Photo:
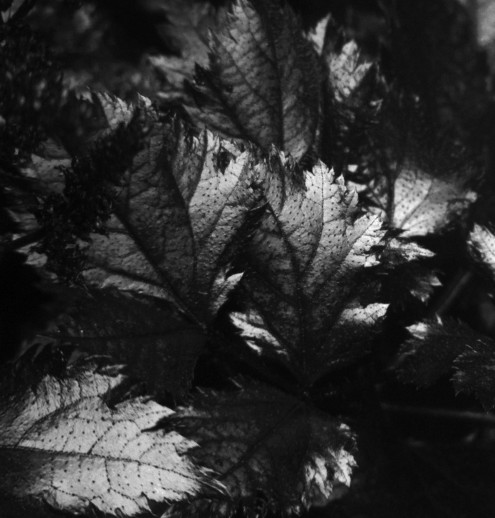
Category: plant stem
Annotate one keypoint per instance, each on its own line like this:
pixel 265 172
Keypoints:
pixel 441 413
pixel 450 294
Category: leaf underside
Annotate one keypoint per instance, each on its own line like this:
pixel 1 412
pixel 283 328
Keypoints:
pixel 262 84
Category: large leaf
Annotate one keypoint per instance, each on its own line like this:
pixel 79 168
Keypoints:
pixel 67 446
pixel 178 214
pixel 271 451
pixel 308 303
pixel 263 81
pixel 160 347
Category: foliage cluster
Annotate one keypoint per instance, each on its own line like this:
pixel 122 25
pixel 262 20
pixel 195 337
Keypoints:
pixel 232 237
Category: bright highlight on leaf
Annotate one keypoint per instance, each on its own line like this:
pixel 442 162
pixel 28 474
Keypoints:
pixel 424 204
pixel 262 84
pixel 307 303
pixel 176 220
pixel 65 448
pixel 271 451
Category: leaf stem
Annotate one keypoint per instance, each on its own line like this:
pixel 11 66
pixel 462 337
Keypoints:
pixel 441 413
pixel 450 294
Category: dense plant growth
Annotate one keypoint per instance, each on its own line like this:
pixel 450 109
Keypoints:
pixel 246 259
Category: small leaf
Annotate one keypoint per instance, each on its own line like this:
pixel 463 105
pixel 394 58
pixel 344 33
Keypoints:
pixel 408 272
pixel 346 70
pixel 425 204
pixel 271 451
pixel 474 370
pixel 437 349
pixel 307 302
pixel 176 220
pixel 430 352
pixel 65 449
pixel 263 81
pixel 482 249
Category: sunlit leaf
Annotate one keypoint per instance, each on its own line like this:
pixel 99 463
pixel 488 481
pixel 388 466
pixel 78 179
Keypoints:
pixel 271 451
pixel 424 204
pixel 308 303
pixel 178 214
pixel 66 448
pixel 482 249
pixel 262 84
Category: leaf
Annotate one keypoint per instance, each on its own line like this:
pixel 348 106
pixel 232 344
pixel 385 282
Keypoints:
pixel 425 204
pixel 160 347
pixel 482 249
pixel 177 217
pixel 420 181
pixel 474 370
pixel 65 448
pixel 407 272
pixel 437 349
pixel 347 70
pixel 308 303
pixel 431 350
pixel 263 81
pixel 271 451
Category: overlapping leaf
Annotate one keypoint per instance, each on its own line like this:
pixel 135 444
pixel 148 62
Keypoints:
pixel 308 300
pixel 431 350
pixel 420 181
pixel 425 204
pixel 437 349
pixel 159 346
pixel 271 451
pixel 65 448
pixel 482 249
pixel 263 81
pixel 178 213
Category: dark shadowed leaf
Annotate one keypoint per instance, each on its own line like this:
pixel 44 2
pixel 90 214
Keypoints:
pixel 474 370
pixel 272 451
pixel 308 302
pixel 430 351
pixel 160 347
pixel 65 448
pixel 179 212
pixel 437 349
pixel 263 80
